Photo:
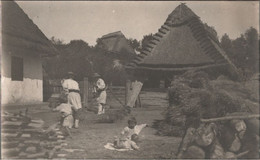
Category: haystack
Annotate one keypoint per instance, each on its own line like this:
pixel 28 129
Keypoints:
pixel 193 98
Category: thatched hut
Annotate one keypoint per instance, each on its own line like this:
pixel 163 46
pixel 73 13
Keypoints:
pixel 182 43
pixel 116 43
pixel 23 46
pixel 118 52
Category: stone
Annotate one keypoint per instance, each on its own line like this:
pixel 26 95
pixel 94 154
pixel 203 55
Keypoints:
pixel 35 125
pixel 31 149
pixel 37 155
pixel 60 137
pixel 9 134
pixel 11 123
pixel 26 135
pixel 37 121
pixel 9 144
pixel 32 141
pixel 64 144
pixel 61 140
pixel 51 154
pixel 20 145
pixel 61 155
pixel 58 147
pixel 13 119
pixel 22 154
pixel 59 132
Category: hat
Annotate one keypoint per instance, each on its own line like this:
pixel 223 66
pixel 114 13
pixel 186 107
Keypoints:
pixel 70 73
pixel 96 75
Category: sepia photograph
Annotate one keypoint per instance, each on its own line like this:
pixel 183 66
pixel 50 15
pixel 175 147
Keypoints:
pixel 130 80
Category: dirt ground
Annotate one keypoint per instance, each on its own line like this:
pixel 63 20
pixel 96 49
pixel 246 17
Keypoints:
pixel 92 136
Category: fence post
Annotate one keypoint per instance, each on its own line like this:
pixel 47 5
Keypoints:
pixel 85 92
pixel 127 90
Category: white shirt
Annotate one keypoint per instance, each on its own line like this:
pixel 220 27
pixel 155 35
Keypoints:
pixel 70 84
pixel 128 132
pixel 65 108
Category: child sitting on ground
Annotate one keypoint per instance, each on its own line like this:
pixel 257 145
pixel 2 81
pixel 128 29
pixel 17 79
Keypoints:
pixel 129 135
pixel 133 129
pixel 66 114
pixel 125 143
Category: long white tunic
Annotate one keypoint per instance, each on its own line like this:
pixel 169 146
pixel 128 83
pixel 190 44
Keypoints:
pixel 73 97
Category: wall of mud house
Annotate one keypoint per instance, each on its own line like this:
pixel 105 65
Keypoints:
pixel 28 89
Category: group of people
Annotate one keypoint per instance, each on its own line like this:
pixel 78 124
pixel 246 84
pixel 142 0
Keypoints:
pixel 70 106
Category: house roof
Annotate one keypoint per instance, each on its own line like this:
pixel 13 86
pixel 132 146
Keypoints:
pixel 116 42
pixel 19 31
pixel 183 42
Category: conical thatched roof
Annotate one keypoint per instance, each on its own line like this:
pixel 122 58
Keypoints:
pixel 116 42
pixel 182 43
pixel 19 31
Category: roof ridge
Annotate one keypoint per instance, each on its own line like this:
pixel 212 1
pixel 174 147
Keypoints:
pixel 112 34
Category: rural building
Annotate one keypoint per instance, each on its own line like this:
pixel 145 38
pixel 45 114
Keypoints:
pixel 182 43
pixel 117 43
pixel 23 46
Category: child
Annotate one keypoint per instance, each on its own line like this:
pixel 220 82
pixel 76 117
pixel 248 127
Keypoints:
pixel 66 114
pixel 132 130
pixel 125 143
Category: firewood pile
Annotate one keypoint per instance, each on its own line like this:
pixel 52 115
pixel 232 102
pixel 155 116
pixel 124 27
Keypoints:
pixel 223 138
pixel 217 118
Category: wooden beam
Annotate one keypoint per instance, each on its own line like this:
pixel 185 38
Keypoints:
pixel 85 92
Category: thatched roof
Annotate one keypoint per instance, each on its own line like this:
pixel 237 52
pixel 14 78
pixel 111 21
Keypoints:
pixel 182 43
pixel 19 31
pixel 116 42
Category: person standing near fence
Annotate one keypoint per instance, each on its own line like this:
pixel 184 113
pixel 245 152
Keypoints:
pixel 100 93
pixel 72 88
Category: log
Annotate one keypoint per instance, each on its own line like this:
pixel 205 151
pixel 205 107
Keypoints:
pixel 205 135
pixel 235 145
pixel 186 141
pixel 229 118
pixel 218 152
pixel 194 152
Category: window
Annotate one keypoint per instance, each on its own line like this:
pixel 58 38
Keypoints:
pixel 17 69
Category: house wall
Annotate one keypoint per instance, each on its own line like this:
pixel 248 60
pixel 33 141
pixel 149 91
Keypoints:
pixel 28 91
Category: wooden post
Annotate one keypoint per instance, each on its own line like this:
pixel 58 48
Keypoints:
pixel 85 92
pixel 127 90
pixel 136 88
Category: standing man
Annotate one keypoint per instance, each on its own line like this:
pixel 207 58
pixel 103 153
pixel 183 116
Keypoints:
pixel 72 88
pixel 100 93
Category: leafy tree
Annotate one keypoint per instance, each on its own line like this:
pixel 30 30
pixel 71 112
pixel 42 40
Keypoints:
pixel 135 44
pixel 56 41
pixel 243 51
pixel 146 39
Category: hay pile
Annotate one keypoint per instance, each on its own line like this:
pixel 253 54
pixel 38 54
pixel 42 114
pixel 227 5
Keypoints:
pixel 192 97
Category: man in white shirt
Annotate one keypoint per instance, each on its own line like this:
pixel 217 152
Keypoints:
pixel 72 88
pixel 100 93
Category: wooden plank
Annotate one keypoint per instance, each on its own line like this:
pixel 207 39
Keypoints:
pixel 127 90
pixel 136 88
pixel 85 92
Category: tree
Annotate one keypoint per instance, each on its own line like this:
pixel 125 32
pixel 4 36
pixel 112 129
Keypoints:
pixel 252 49
pixel 56 41
pixel 146 39
pixel 134 43
pixel 243 51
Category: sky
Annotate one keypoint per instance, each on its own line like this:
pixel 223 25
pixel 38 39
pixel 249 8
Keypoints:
pixel 89 20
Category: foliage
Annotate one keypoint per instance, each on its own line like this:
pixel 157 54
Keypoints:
pixel 243 51
pixel 82 59
pixel 146 39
